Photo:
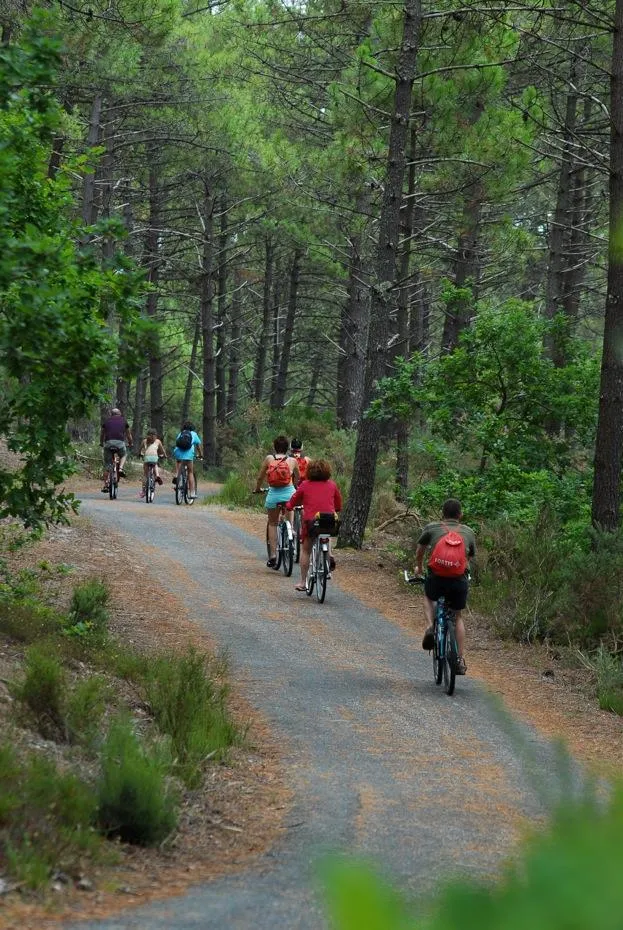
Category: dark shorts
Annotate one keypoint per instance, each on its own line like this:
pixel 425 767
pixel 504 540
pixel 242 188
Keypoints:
pixel 454 590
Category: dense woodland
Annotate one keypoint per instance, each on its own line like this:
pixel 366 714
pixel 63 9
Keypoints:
pixel 398 220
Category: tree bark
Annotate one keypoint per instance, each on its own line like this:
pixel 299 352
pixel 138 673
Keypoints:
pixel 139 411
pixel 123 385
pixel 234 347
pixel 366 452
pixel 191 374
pixel 288 332
pixel 559 230
pixel 207 332
pixel 353 337
pixel 152 262
pixel 467 272
pixel 609 443
pixel 260 359
pixel 89 208
pixel 221 330
pixel 314 378
pixel 280 294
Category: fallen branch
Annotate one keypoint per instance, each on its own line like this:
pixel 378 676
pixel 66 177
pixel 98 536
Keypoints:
pixel 399 516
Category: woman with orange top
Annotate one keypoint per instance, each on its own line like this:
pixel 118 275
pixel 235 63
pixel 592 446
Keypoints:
pixel 317 494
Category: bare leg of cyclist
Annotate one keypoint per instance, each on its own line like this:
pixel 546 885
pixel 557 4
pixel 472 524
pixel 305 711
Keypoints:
pixel 459 627
pixel 429 611
pixel 191 480
pixel 122 462
pixel 306 549
pixel 178 467
pixel 273 519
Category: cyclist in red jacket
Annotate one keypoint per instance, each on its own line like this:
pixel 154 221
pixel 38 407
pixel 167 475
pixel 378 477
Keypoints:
pixel 317 494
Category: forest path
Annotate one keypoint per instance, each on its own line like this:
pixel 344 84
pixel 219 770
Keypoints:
pixel 381 763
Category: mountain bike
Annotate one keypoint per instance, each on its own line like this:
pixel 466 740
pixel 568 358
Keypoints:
pixel 297 527
pixel 445 649
pixel 182 492
pixel 150 483
pixel 324 526
pixel 113 474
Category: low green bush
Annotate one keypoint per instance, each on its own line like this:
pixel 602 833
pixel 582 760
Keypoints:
pixel 136 800
pixel 84 709
pixel 88 612
pixel 569 876
pixel 46 818
pixel 237 492
pixel 43 692
pixel 190 707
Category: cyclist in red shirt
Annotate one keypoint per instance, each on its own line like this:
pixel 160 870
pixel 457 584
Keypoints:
pixel 317 494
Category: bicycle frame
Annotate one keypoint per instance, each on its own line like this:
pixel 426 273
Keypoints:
pixel 113 474
pixel 444 649
pixel 150 482
pixel 318 572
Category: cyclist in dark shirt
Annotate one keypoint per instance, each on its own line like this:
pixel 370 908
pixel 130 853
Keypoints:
pixel 114 435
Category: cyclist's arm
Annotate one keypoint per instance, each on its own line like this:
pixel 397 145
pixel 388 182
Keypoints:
pixel 296 475
pixel 419 559
pixel 102 436
pixel 162 452
pixel 199 450
pixel 295 501
pixel 262 476
pixel 128 435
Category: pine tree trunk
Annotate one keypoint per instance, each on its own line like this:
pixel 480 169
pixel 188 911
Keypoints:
pixel 262 345
pixel 278 290
pixel 221 331
pixel 123 386
pixel 139 411
pixel 152 262
pixel 191 374
pixel 467 272
pixel 353 335
pixel 234 348
pixel 366 452
pixel 89 209
pixel 288 332
pixel 314 378
pixel 559 231
pixel 207 332
pixel 609 443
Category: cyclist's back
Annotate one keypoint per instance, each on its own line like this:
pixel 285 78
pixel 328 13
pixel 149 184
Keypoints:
pixel 302 460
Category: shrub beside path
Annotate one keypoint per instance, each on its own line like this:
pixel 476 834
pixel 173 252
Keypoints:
pixel 380 762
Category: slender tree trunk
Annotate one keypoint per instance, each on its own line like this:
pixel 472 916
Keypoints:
pixel 58 144
pixel 123 385
pixel 260 359
pixel 207 332
pixel 234 347
pixel 467 273
pixel 401 346
pixel 139 411
pixel 221 331
pixel 353 335
pixel 89 208
pixel 279 289
pixel 419 324
pixel 153 265
pixel 191 374
pixel 578 252
pixel 288 332
pixel 366 452
pixel 559 231
pixel 609 443
pixel 314 378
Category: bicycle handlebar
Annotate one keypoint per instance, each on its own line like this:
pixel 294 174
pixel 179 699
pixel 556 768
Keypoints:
pixel 413 579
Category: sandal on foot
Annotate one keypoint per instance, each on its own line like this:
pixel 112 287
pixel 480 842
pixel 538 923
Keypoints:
pixel 300 587
pixel 271 563
pixel 461 667
pixel 331 563
pixel 429 639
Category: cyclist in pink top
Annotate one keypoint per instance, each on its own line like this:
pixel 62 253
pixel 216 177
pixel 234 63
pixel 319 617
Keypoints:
pixel 317 494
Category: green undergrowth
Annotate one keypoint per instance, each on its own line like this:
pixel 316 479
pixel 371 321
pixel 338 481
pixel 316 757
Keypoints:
pixel 70 691
pixel 567 876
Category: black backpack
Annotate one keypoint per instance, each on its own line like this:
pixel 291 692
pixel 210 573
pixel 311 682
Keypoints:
pixel 185 440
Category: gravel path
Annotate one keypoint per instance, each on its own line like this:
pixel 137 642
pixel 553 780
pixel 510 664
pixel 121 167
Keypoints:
pixel 382 764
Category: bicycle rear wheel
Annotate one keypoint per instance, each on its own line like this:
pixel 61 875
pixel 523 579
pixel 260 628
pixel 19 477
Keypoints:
pixel 112 482
pixel 310 581
pixel 322 570
pixel 150 487
pixel 287 549
pixel 449 665
pixel 179 487
pixel 297 536
pixel 438 654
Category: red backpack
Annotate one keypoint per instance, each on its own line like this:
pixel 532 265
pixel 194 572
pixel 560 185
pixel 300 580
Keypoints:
pixel 302 461
pixel 448 558
pixel 278 473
